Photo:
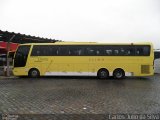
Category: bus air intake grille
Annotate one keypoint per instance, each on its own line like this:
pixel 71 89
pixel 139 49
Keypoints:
pixel 145 69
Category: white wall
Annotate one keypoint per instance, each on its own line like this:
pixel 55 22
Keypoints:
pixel 157 65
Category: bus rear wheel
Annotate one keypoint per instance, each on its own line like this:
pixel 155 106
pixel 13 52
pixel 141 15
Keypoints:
pixel 103 73
pixel 119 73
pixel 34 73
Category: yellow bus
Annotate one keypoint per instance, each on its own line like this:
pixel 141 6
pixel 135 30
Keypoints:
pixel 84 59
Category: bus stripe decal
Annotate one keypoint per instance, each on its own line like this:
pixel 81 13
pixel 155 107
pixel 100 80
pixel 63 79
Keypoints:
pixel 80 74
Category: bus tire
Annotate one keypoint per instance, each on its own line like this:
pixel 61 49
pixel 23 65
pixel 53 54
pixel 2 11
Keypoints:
pixel 103 73
pixel 118 73
pixel 33 73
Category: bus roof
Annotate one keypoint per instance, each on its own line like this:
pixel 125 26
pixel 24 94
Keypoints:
pixel 88 43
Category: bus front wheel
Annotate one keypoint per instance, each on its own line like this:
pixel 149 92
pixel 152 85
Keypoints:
pixel 119 73
pixel 103 73
pixel 34 73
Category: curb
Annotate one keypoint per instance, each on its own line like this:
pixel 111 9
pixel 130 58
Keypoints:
pixel 5 77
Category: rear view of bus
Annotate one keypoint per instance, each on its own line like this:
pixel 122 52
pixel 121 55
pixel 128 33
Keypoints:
pixel 84 59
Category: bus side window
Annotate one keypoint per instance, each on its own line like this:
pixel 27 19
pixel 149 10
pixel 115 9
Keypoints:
pixel 72 51
pixel 112 50
pixel 99 50
pixel 139 51
pixel 75 50
pixel 45 50
pixel 116 52
pixel 122 51
pixel 143 50
pixel 35 51
pixel 63 50
pixel 129 51
pixel 90 51
pixel 41 50
pixel 54 50
pixel 146 50
pixel 78 52
pixel 108 52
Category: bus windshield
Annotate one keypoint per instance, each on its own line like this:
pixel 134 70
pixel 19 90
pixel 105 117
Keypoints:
pixel 21 56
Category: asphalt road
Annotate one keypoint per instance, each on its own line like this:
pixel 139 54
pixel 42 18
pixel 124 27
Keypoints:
pixel 80 95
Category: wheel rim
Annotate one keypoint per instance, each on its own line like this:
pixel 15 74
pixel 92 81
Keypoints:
pixel 103 74
pixel 119 74
pixel 34 73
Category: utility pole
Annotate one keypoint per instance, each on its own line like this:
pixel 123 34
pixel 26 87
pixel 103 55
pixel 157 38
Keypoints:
pixel 8 48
